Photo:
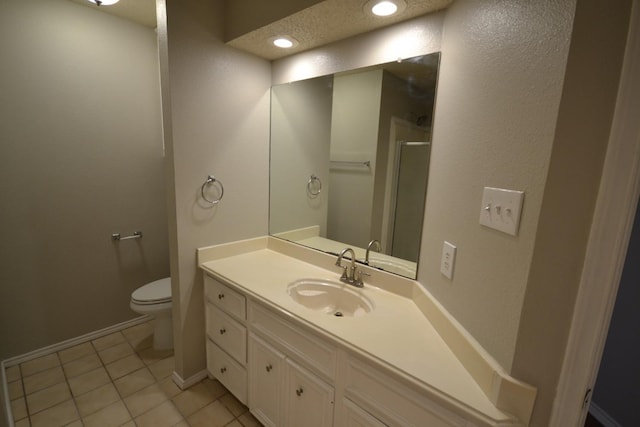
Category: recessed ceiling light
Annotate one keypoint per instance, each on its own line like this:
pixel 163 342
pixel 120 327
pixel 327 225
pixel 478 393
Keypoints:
pixel 104 2
pixel 384 7
pixel 284 42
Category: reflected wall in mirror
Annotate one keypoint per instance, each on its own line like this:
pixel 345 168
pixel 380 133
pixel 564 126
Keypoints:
pixel 350 161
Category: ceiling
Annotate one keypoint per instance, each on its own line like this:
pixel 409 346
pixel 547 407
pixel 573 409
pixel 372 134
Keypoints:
pixel 141 11
pixel 322 23
pixel 325 22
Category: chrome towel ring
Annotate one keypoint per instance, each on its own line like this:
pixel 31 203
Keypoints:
pixel 314 186
pixel 211 180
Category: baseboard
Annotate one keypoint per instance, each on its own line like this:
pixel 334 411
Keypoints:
pixel 194 379
pixel 603 418
pixel 4 395
pixel 74 341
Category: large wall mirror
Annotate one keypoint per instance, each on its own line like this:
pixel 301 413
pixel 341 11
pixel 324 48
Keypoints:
pixel 350 161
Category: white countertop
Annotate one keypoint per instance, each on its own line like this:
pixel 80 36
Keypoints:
pixel 396 333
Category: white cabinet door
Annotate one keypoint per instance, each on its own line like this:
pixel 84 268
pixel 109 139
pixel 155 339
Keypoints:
pixel 266 378
pixel 355 416
pixel 308 400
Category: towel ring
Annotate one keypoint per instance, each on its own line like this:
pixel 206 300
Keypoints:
pixel 210 180
pixel 311 186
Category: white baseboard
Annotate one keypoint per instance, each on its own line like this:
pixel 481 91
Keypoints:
pixel 602 417
pixel 4 395
pixel 194 379
pixel 74 341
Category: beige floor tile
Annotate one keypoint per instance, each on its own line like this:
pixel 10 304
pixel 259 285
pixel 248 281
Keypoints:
pixel 59 415
pixel 113 415
pixel 214 386
pixel 164 415
pixel 15 389
pixel 108 341
pixel 43 379
pixel 135 381
pixel 97 399
pixel 169 387
pixel 22 423
pixel 193 399
pixel 40 364
pixel 248 420
pixel 76 352
pixel 48 397
pixel 124 366
pixel 234 423
pixel 82 365
pixel 13 373
pixel 131 424
pixel 116 352
pixel 89 381
pixel 145 399
pixel 163 368
pixel 150 355
pixel 76 423
pixel 18 409
pixel 214 415
pixel 138 334
pixel 233 405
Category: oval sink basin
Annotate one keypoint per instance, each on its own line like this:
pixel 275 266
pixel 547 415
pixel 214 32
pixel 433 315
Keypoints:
pixel 330 297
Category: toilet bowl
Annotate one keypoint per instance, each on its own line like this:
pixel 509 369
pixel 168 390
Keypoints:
pixel 155 299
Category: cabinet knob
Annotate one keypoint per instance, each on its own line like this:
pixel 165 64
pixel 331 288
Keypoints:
pixel 299 391
pixel 223 331
pixel 220 296
pixel 269 367
pixel 223 370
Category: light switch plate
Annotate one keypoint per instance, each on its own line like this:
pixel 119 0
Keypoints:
pixel 448 260
pixel 501 209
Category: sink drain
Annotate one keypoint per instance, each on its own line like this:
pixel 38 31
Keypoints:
pixel 337 314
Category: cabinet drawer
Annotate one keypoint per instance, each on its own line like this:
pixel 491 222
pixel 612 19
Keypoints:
pixel 392 402
pixel 355 416
pixel 311 350
pixel 228 333
pixel 226 370
pixel 225 298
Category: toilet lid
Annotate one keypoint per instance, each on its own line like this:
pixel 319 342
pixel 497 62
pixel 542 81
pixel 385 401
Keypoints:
pixel 153 293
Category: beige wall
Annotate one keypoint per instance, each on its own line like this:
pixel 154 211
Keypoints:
pixel 81 158
pixel 216 113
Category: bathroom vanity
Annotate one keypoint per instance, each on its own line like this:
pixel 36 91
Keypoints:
pixel 318 352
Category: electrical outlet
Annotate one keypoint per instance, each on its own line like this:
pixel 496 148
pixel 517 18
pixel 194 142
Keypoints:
pixel 448 260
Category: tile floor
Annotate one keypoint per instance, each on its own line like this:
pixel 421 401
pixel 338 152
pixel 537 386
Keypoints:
pixel 116 380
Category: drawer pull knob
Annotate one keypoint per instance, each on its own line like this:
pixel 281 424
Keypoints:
pixel 269 368
pixel 220 296
pixel 223 331
pixel 300 391
pixel 223 370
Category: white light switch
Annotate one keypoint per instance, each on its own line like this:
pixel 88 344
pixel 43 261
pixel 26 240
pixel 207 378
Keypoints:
pixel 448 260
pixel 501 209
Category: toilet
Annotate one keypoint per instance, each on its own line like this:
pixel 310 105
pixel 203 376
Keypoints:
pixel 155 299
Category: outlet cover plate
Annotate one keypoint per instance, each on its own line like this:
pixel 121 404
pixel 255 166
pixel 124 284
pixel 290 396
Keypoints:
pixel 448 260
pixel 501 209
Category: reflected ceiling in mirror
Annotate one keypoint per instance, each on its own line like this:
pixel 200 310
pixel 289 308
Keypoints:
pixel 350 161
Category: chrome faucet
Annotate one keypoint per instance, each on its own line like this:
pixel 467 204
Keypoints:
pixel 371 243
pixel 349 274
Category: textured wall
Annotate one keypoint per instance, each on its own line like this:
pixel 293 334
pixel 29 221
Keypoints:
pixel 216 118
pixel 81 157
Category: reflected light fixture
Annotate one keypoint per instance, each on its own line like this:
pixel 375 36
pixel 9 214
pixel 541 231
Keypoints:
pixel 384 7
pixel 284 42
pixel 103 2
